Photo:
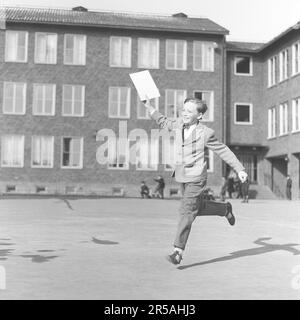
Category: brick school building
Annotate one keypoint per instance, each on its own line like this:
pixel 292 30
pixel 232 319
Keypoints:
pixel 65 76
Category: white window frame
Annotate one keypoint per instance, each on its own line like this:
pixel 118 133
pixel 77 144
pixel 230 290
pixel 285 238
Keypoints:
pixel 175 55
pixel 168 150
pixel 176 97
pixel 296 58
pixel 84 50
pixel 283 118
pixel 22 155
pixel 81 152
pixel 250 123
pixel 51 152
pixel 250 74
pixel 211 108
pixel 140 65
pixel 14 98
pixel 126 164
pixel 153 154
pixel 36 46
pixel 44 100
pixel 154 103
pixel 295 115
pixel 204 46
pixel 127 103
pixel 6 47
pixel 283 65
pixel 128 65
pixel 272 71
pixel 271 122
pixel 73 94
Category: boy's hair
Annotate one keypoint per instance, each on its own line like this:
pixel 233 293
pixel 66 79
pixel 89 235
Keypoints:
pixel 201 104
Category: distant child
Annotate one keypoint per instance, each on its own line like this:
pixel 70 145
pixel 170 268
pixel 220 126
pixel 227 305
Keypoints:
pixel 230 183
pixel 145 193
pixel 289 187
pixel 245 190
pixel 159 189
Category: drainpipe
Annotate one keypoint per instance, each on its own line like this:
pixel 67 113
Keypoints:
pixel 224 97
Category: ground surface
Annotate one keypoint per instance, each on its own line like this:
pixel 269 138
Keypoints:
pixel 115 249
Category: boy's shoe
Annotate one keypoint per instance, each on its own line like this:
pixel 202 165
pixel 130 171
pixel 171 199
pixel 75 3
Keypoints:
pixel 175 257
pixel 229 215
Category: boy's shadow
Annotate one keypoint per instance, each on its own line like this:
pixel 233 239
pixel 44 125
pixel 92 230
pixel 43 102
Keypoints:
pixel 264 248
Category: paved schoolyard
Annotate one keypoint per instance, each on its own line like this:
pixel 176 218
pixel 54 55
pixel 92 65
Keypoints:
pixel 115 249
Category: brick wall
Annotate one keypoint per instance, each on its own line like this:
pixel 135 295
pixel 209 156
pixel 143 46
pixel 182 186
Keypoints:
pixel 245 89
pixel 97 76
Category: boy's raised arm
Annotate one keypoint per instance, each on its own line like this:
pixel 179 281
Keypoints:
pixel 161 120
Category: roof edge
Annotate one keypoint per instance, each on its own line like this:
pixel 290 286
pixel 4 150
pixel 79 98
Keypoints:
pixel 284 33
pixel 120 27
pixel 222 31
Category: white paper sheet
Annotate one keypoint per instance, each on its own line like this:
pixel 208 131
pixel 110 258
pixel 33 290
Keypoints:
pixel 145 85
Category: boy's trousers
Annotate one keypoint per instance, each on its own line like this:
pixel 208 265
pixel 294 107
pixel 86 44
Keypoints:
pixel 192 205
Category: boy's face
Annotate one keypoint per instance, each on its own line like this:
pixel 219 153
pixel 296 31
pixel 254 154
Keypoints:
pixel 189 113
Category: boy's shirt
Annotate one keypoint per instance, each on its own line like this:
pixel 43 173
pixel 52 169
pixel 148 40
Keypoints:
pixel 190 164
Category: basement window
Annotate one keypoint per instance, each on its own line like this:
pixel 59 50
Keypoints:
pixel 70 189
pixel 40 189
pixel 10 188
pixel 174 192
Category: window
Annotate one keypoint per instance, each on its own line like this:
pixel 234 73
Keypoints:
pixel 142 112
pixel 118 155
pixel 44 99
pixel 296 58
pixel 283 119
pixel 243 66
pixel 169 152
pixel 14 98
pixel 16 46
pixel 174 102
pixel 204 56
pixel 208 97
pixel 147 154
pixel 148 53
pixel 283 65
pixel 272 71
pixel 75 49
pixel 45 48
pixel 72 150
pixel 243 113
pixel 176 54
pixel 209 159
pixel 12 151
pixel 42 152
pixel 296 114
pixel 271 123
pixel 73 100
pixel 119 102
pixel 120 52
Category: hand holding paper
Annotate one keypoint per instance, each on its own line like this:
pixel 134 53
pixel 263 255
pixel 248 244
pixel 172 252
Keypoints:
pixel 149 106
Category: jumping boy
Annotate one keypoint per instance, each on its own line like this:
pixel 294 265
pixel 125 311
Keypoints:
pixel 191 169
